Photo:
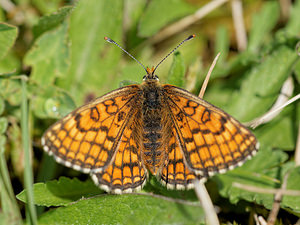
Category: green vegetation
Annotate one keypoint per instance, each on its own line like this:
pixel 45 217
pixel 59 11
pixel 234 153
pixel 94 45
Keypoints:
pixel 53 58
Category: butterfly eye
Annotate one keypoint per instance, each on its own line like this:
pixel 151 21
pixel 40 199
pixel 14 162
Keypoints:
pixel 144 78
pixel 156 78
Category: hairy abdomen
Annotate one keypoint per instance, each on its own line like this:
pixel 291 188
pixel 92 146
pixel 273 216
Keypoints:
pixel 153 152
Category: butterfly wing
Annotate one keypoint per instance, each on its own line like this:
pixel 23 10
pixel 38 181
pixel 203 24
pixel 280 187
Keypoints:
pixel 126 173
pixel 175 174
pixel 211 141
pixel 87 138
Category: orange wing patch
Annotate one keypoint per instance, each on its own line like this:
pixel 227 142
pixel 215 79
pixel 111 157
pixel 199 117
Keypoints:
pixel 127 172
pixel 175 174
pixel 87 138
pixel 210 139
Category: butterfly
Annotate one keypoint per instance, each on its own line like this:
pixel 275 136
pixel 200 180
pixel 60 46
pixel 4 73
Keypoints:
pixel 149 127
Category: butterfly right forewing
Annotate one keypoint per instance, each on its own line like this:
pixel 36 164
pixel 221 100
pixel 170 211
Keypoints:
pixel 211 141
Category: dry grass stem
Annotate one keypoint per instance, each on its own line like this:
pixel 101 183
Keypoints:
pixel 208 207
pixel 281 102
pixel 239 25
pixel 186 21
pixel 277 200
pixel 204 85
pixel 266 190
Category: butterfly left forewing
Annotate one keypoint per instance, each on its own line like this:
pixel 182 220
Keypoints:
pixel 87 138
pixel 211 140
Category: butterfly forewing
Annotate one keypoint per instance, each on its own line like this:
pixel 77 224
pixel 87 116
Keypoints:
pixel 211 140
pixel 87 138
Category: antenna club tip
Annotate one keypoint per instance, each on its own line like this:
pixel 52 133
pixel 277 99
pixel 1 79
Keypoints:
pixel 191 37
pixel 105 38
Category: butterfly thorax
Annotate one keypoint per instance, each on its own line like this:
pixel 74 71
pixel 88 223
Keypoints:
pixel 152 111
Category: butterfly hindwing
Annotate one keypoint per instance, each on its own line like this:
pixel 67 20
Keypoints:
pixel 175 174
pixel 211 140
pixel 87 138
pixel 126 173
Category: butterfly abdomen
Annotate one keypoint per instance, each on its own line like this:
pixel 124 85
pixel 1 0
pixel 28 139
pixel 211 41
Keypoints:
pixel 152 127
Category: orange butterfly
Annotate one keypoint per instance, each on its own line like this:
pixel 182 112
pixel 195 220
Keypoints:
pixel 166 130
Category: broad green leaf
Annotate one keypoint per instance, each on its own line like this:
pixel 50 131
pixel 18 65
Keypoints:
pixel 49 57
pixel 61 192
pixel 222 44
pixel 176 74
pixel 8 35
pixel 10 63
pixel 46 6
pixel 282 127
pixel 297 71
pixel 236 65
pixel 262 85
pixel 125 209
pixel 94 62
pixel 154 186
pixel 49 22
pixel 134 10
pixel 269 14
pixel 126 83
pixel 293 26
pixel 3 218
pixel 3 124
pixel 51 102
pixel 2 143
pixel 10 91
pixel 154 17
pixel 219 93
pixel 293 183
pixel 261 171
pixel 2 105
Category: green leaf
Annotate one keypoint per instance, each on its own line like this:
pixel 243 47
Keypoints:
pixel 222 44
pixel 51 102
pixel 2 105
pixel 10 91
pixel 125 209
pixel 293 26
pixel 49 57
pixel 61 192
pixel 297 70
pixel 262 85
pixel 283 124
pixel 155 18
pixel 8 35
pixel 10 63
pixel 3 124
pixel 2 143
pixel 46 6
pixel 261 171
pixel 176 74
pixel 49 22
pixel 94 62
pixel 293 183
pixel 269 13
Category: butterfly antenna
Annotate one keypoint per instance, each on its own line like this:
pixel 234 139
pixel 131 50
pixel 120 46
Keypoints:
pixel 115 43
pixel 187 39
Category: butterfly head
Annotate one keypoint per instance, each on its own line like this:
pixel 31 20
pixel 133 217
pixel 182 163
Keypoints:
pixel 150 74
